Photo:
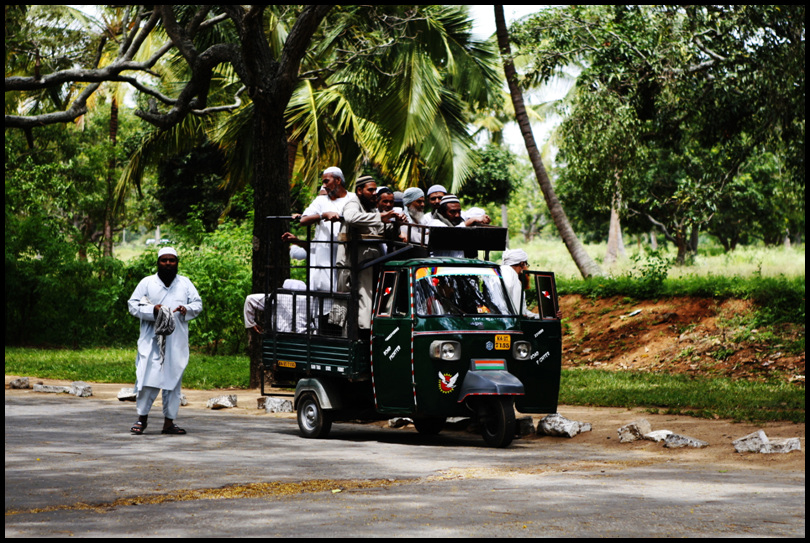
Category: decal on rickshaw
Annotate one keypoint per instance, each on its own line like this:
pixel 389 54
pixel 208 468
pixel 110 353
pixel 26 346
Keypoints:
pixel 447 382
pixel 479 365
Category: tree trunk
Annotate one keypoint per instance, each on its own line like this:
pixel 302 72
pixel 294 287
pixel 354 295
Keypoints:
pixel 587 266
pixel 615 245
pixel 272 82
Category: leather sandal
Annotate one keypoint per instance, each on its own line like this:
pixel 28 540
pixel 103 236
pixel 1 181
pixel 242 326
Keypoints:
pixel 174 430
pixel 138 428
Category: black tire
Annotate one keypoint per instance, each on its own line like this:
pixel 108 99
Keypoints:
pixel 429 426
pixel 313 422
pixel 497 418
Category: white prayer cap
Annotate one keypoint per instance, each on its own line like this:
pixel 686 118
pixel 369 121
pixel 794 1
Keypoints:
pixel 335 171
pixel 512 257
pixel 167 251
pixel 412 194
pixel 436 188
pixel 294 284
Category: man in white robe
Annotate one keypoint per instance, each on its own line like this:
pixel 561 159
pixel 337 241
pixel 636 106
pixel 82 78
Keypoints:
pixel 326 210
pixel 161 367
pixel 515 261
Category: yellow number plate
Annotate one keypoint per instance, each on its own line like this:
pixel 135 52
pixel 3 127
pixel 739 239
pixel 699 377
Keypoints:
pixel 503 342
pixel 286 364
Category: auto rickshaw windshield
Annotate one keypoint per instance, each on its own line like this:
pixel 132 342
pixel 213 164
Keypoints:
pixel 446 290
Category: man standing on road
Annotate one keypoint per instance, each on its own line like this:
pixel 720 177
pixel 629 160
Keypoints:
pixel 164 303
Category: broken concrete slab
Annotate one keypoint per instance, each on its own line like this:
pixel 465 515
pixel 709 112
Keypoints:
pixel 19 383
pixel 222 402
pixel 277 405
pixel 634 431
pixel 81 389
pixel 557 425
pixel 677 441
pixel 784 445
pixel 657 435
pixel 758 442
pixel 51 389
pixel 127 395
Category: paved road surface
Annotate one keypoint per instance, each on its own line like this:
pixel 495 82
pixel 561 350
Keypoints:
pixel 72 469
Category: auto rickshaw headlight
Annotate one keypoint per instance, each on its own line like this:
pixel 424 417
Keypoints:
pixel 521 350
pixel 445 350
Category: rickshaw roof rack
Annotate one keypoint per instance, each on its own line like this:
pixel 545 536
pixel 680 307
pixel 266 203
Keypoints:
pixel 441 261
pixel 474 238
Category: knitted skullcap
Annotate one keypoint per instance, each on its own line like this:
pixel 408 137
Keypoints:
pixel 167 251
pixel 449 199
pixel 364 180
pixel 412 194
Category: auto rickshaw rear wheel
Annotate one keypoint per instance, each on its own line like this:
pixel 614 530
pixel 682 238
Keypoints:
pixel 429 426
pixel 313 421
pixel 496 415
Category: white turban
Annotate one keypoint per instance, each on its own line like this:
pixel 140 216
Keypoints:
pixel 513 257
pixel 167 251
pixel 412 194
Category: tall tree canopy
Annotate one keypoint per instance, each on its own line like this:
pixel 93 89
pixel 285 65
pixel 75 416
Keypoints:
pixel 676 106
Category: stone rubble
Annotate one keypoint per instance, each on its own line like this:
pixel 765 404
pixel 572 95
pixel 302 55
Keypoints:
pixel 557 425
pixel 634 431
pixel 758 442
pixel 275 405
pixel 222 402
pixel 677 441
pixel 77 388
pixel 19 383
pixel 127 395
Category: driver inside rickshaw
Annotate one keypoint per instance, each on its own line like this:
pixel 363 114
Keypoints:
pixel 458 294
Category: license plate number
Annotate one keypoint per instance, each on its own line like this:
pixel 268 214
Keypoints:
pixel 503 342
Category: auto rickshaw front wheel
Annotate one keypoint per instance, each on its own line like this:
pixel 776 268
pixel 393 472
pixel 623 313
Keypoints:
pixel 313 421
pixel 496 414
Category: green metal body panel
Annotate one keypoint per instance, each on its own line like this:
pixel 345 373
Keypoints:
pixel 398 375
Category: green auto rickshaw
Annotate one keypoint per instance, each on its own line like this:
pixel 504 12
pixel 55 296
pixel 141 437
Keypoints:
pixel 444 341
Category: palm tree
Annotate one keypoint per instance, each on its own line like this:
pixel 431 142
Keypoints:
pixel 586 265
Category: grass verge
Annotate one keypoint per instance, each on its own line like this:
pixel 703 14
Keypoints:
pixel 102 365
pixel 659 393
pixel 706 397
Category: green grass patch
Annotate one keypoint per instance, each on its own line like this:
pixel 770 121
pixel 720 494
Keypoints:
pixel 204 372
pixel 685 395
pixel 659 393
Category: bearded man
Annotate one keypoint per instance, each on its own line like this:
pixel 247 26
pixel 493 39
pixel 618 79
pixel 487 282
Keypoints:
pixel 361 213
pixel 164 303
pixel 414 201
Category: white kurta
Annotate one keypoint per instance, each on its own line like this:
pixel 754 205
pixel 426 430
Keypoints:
pixel 149 370
pixel 324 254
